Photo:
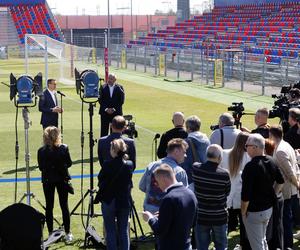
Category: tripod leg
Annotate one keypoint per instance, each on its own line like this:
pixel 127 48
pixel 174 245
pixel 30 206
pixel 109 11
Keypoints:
pixel 88 219
pixel 41 205
pixel 78 204
pixel 138 219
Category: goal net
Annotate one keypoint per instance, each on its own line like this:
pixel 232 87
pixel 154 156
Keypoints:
pixel 56 59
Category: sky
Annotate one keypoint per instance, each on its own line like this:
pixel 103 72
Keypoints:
pixel 94 7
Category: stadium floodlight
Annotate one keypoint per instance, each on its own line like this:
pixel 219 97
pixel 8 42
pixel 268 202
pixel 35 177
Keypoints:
pixel 24 90
pixel 87 84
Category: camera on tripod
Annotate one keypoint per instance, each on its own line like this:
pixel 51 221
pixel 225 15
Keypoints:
pixel 282 104
pixel 130 130
pixel 237 109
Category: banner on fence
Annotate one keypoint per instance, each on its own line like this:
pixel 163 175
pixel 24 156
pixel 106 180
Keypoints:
pixel 218 72
pixel 162 64
pixel 123 59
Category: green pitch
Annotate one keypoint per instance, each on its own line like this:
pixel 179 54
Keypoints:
pixel 149 99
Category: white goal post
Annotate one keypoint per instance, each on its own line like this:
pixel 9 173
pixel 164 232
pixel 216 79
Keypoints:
pixel 56 59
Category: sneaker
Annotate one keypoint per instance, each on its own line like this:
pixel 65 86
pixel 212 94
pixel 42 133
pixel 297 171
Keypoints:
pixel 69 238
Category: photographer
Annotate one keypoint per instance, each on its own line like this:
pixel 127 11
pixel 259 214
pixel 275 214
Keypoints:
pixel 118 125
pixel 261 121
pixel 115 195
pixel 292 136
pixel 54 160
pixel 226 134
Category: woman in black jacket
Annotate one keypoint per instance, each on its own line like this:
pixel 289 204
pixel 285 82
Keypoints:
pixel 54 160
pixel 114 191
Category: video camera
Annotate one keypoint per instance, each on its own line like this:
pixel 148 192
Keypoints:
pixel 237 109
pixel 130 130
pixel 282 103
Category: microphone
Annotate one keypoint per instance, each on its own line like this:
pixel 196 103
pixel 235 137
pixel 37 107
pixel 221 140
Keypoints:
pixel 58 92
pixel 157 136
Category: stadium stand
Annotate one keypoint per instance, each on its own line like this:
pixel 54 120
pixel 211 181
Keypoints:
pixel 32 17
pixel 270 29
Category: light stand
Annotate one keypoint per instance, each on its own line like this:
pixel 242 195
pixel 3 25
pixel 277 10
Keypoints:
pixel 85 86
pixel 24 92
pixel 61 115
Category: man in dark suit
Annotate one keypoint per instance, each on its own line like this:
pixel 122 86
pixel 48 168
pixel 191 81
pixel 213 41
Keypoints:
pixel 177 132
pixel 118 125
pixel 176 212
pixel 112 98
pixel 48 105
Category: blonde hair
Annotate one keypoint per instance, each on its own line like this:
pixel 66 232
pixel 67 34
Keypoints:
pixel 51 136
pixel 237 153
pixel 119 147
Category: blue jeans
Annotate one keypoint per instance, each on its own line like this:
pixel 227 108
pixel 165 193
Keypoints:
pixel 288 222
pixel 204 235
pixel 116 226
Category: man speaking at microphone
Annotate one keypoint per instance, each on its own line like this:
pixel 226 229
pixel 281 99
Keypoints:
pixel 49 106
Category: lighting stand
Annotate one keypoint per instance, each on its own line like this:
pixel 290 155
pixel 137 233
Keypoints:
pixel 28 195
pixel 91 191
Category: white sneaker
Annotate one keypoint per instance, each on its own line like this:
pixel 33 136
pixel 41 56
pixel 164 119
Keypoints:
pixel 69 238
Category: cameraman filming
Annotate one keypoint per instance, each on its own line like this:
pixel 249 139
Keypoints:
pixel 261 121
pixel 292 136
pixel 226 134
pixel 118 125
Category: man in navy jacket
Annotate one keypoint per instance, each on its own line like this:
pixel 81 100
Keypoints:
pixel 111 100
pixel 48 105
pixel 176 212
pixel 118 125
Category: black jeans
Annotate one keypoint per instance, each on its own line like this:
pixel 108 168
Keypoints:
pixel 49 190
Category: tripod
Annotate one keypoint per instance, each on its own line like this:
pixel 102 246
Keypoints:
pixel 28 195
pixel 91 191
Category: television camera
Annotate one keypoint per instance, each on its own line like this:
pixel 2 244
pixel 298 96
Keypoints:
pixel 237 109
pixel 130 130
pixel 286 100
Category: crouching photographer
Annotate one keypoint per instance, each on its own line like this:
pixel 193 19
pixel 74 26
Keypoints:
pixel 115 195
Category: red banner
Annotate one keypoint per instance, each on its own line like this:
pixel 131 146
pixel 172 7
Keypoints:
pixel 106 63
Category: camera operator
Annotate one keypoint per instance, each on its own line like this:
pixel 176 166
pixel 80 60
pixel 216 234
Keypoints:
pixel 118 125
pixel 261 121
pixel 292 136
pixel 177 132
pixel 226 134
pixel 294 96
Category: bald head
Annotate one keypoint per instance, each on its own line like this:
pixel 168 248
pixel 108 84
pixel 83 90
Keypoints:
pixel 178 119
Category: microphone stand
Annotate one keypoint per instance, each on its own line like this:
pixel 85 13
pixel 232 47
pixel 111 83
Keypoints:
pixel 157 136
pixel 61 115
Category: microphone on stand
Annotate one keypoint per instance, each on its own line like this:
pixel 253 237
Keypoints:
pixel 157 136
pixel 58 92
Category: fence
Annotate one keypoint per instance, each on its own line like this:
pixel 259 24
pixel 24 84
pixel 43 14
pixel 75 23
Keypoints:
pixel 207 65
pixel 201 62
